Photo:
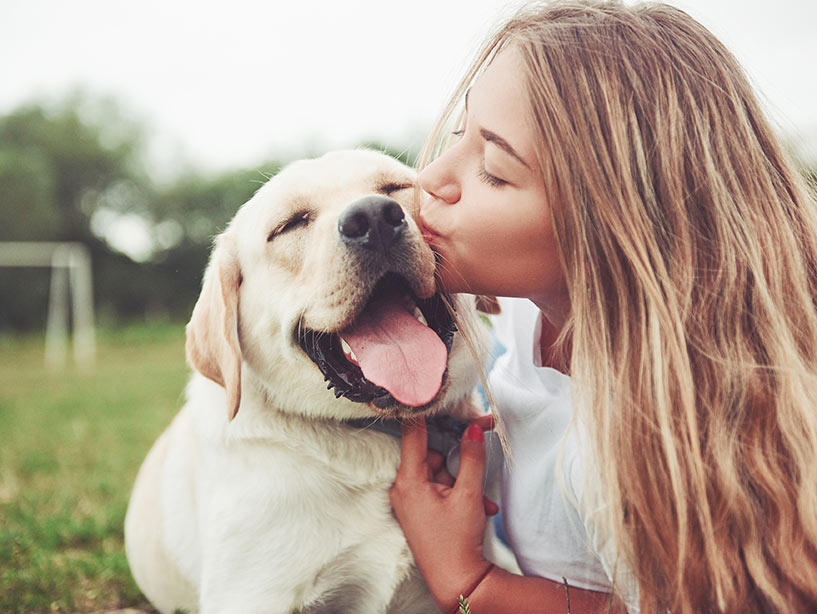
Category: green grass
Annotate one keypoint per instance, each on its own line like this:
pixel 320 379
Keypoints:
pixel 70 447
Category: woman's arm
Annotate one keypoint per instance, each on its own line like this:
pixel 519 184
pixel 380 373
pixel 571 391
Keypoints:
pixel 444 527
pixel 502 592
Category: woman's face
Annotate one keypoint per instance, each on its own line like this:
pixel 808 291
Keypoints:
pixel 486 214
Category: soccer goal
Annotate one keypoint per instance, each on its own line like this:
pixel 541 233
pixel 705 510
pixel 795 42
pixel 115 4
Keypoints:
pixel 70 265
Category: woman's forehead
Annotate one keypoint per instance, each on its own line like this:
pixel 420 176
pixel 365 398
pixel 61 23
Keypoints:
pixel 498 102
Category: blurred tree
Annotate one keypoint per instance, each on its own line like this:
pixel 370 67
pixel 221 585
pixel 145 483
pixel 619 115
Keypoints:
pixel 25 177
pixel 64 161
pixel 58 164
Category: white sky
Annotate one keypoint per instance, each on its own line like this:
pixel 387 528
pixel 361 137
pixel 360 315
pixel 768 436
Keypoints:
pixel 228 84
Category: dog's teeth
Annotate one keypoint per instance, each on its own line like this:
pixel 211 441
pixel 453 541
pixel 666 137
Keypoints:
pixel 347 350
pixel 419 316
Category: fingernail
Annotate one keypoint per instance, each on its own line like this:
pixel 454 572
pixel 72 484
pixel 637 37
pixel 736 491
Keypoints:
pixel 474 433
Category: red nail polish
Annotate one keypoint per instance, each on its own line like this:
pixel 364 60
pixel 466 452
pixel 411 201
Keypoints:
pixel 474 433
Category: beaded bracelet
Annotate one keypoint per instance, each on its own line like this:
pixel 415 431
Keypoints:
pixel 462 606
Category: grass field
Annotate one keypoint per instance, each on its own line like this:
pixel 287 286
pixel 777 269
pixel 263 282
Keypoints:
pixel 70 446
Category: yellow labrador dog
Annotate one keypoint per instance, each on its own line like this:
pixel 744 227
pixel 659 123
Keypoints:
pixel 269 491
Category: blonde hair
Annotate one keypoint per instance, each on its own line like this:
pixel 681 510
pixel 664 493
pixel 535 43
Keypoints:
pixel 689 246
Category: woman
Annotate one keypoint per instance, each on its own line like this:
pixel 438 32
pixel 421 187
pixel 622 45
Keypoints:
pixel 612 165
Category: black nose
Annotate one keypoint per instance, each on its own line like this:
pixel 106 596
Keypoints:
pixel 373 222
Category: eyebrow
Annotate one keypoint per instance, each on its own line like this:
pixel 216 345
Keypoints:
pixel 493 137
pixel 497 140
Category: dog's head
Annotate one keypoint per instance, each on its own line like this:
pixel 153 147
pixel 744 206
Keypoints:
pixel 324 275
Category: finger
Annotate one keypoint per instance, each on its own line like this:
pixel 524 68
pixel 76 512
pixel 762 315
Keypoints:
pixel 491 508
pixel 435 460
pixel 486 422
pixel 443 477
pixel 414 447
pixel 472 463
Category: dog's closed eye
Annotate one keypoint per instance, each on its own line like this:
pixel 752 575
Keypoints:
pixel 391 187
pixel 297 220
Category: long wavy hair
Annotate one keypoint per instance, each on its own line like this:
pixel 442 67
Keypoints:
pixel 689 245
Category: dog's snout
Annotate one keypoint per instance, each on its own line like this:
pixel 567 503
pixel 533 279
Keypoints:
pixel 373 222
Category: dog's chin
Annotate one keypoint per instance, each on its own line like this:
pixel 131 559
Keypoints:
pixel 343 375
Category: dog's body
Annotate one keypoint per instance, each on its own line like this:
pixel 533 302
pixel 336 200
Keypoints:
pixel 285 507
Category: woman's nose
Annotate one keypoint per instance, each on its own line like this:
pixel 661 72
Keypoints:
pixel 439 181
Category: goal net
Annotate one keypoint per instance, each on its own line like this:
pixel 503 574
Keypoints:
pixel 70 298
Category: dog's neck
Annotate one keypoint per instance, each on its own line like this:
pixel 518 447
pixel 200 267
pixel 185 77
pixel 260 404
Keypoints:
pixel 444 432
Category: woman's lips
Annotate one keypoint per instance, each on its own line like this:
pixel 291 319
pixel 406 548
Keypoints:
pixel 430 235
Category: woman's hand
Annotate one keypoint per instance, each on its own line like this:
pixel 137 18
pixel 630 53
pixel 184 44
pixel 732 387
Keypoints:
pixel 443 525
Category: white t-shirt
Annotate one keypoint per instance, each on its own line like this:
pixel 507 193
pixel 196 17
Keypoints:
pixel 550 534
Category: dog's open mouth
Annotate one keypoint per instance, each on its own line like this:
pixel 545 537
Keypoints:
pixel 394 352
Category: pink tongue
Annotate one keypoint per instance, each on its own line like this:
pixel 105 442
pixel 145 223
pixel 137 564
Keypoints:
pixel 397 352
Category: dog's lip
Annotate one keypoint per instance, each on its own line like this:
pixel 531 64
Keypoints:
pixel 414 295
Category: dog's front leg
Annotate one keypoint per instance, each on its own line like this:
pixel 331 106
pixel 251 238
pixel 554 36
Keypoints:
pixel 253 557
pixel 279 554
pixel 241 580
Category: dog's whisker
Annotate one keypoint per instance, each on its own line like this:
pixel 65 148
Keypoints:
pixel 370 425
pixel 447 266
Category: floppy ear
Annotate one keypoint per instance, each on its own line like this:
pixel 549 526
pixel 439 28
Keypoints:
pixel 487 304
pixel 212 333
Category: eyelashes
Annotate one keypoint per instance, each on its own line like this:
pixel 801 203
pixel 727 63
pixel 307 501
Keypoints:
pixel 300 219
pixel 490 179
pixel 390 188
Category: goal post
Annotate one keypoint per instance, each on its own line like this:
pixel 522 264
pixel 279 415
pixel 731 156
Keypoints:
pixel 70 265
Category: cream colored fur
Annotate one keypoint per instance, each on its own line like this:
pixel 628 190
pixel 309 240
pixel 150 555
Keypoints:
pixel 258 498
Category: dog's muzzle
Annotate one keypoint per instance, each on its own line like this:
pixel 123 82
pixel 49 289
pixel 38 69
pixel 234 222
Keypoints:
pixel 392 349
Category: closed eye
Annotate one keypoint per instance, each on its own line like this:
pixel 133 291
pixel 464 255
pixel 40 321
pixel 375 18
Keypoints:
pixel 389 188
pixel 298 220
pixel 490 179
